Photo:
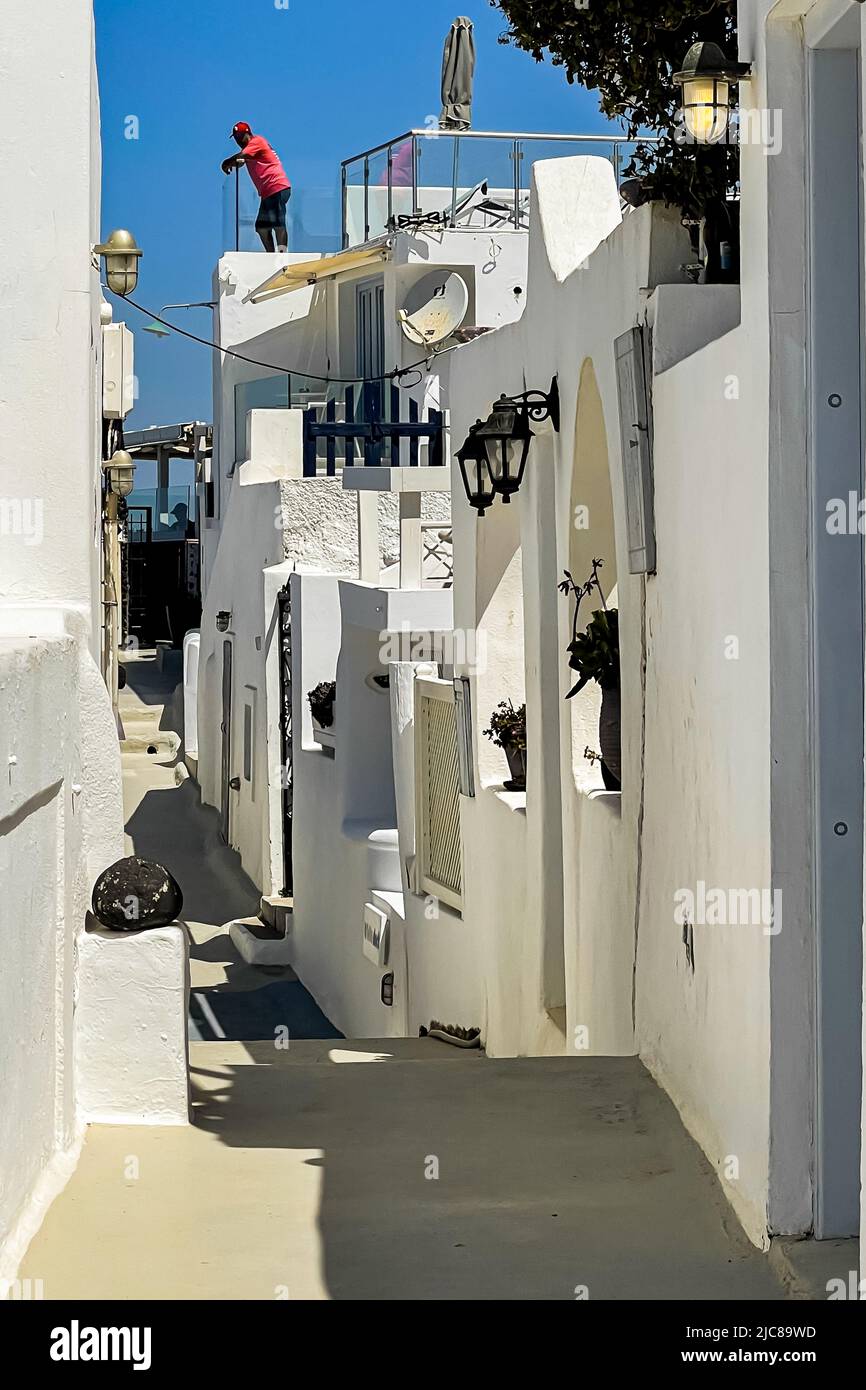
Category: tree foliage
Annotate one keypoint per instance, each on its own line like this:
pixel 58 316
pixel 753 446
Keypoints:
pixel 628 51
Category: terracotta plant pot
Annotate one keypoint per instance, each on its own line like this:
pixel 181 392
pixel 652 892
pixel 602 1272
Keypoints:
pixel 610 736
pixel 517 767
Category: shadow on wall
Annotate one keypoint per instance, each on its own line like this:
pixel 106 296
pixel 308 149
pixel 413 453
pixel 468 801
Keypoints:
pixel 171 825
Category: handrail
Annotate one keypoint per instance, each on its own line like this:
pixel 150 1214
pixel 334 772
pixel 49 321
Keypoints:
pixel 357 167
pixel 427 134
pixel 517 140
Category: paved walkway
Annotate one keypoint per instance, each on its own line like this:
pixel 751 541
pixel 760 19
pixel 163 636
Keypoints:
pixel 361 1170
pixel 403 1170
pixel 166 821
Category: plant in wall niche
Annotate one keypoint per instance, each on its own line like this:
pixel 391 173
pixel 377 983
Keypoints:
pixel 507 731
pixel 322 703
pixel 594 655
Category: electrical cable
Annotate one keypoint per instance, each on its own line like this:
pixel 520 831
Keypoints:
pixel 396 375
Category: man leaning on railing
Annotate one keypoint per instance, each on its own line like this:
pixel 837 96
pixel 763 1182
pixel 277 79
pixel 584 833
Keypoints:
pixel 272 185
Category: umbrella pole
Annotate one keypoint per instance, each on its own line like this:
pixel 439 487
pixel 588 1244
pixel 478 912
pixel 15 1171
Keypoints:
pixel 456 140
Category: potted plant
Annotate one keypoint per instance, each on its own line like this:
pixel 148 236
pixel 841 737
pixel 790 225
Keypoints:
pixel 594 655
pixel 507 731
pixel 322 700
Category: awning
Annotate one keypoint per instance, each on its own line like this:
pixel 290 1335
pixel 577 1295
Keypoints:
pixel 301 273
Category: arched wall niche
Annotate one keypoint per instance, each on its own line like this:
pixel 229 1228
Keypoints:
pixel 591 537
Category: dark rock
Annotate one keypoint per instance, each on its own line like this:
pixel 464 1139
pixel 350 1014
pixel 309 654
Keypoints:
pixel 135 894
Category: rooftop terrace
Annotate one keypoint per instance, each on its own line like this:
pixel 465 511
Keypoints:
pixel 423 178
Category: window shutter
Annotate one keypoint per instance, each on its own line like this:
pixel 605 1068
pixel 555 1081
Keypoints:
pixel 635 422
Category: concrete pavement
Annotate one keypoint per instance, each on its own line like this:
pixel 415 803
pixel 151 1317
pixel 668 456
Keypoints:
pixel 400 1170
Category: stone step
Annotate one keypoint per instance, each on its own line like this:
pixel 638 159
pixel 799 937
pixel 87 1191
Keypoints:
pixel 276 912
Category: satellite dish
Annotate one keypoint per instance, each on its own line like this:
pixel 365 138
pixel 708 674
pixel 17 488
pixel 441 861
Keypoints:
pixel 434 308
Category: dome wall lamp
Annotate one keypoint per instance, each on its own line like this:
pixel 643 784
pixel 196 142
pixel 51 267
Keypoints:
pixel 120 473
pixel 706 79
pixel 121 255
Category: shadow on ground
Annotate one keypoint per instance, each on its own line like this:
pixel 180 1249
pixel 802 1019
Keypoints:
pixel 453 1176
pixel 167 822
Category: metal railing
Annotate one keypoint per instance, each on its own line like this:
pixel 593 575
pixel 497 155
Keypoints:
pixel 426 173
pixel 368 427
pixel 419 172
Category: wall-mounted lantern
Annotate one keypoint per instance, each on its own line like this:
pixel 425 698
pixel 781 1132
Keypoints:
pixel 223 621
pixel 472 458
pixel 121 255
pixel 706 80
pixel 120 473
pixel 499 446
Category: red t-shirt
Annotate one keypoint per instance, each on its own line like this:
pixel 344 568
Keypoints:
pixel 266 171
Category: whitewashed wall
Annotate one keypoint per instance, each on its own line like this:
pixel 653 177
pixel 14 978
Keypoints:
pixel 687 812
pixel 60 801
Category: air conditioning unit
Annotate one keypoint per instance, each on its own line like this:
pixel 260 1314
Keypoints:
pixel 118 371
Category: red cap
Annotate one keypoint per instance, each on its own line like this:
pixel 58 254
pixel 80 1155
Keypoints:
pixel 241 128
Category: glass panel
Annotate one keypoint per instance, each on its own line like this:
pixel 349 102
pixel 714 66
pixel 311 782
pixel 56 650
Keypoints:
pixel 228 204
pixel 355 203
pixel 307 391
pixel 172 513
pixel 485 160
pixel 314 213
pixel 436 153
pixel 250 203
pixel 377 195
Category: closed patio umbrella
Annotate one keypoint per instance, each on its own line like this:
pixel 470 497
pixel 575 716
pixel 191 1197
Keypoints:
pixel 458 70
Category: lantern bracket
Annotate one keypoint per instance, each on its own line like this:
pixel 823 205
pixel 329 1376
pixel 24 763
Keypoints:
pixel 537 406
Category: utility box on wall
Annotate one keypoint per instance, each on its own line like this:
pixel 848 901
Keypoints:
pixel 118 371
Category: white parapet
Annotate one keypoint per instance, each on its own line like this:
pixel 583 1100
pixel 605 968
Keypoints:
pixel 131 1039
pixel 275 447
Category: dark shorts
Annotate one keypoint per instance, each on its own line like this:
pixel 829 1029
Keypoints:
pixel 272 212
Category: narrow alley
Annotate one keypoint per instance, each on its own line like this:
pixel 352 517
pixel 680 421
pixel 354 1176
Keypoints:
pixel 341 1169
pixel 432 683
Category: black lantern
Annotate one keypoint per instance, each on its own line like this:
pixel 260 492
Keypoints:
pixel 493 459
pixel 472 458
pixel 706 80
pixel 506 437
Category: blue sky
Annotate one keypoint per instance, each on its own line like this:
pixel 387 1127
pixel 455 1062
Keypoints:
pixel 322 79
